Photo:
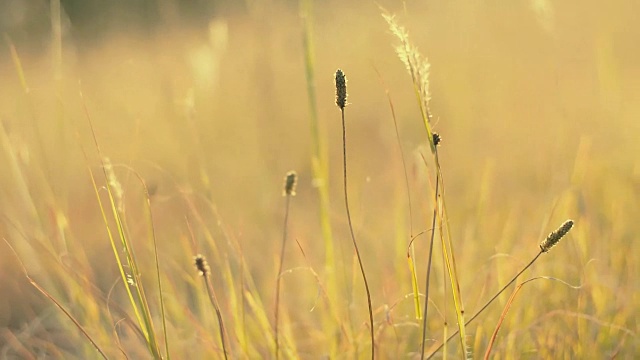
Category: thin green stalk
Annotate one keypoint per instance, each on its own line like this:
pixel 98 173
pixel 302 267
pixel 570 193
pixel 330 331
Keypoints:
pixel 428 280
pixel 145 319
pixel 319 158
pixel 152 234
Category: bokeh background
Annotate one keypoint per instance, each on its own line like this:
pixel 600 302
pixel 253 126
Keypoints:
pixel 537 103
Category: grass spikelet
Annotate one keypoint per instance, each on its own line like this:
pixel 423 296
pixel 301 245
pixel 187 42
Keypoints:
pixel 555 237
pixel 204 270
pixel 341 101
pixel 290 182
pixel 201 265
pixel 341 89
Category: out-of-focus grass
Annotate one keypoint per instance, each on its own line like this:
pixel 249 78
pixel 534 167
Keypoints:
pixel 536 103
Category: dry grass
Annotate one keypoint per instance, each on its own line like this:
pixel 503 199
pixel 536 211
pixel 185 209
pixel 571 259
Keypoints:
pixel 537 110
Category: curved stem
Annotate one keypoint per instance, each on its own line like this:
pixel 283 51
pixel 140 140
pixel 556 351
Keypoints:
pixel 486 305
pixel 284 241
pixel 353 237
pixel 214 302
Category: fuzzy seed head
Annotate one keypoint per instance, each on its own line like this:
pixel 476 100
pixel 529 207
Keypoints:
pixel 201 264
pixel 341 89
pixel 553 238
pixel 290 182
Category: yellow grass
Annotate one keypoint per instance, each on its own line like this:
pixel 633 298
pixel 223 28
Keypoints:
pixel 536 103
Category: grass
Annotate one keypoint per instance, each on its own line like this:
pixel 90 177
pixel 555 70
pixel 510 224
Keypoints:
pixel 148 166
pixel 341 102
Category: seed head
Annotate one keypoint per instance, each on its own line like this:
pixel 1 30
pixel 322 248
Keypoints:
pixel 341 89
pixel 436 139
pixel 553 238
pixel 290 182
pixel 201 265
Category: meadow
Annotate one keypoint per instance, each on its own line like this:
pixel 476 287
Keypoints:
pixel 126 157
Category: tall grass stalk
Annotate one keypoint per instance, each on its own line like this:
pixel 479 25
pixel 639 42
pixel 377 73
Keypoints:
pixel 319 158
pixel 550 241
pixel 411 256
pixel 320 170
pixel 289 191
pixel 418 69
pixel 248 295
pixel 204 270
pixel 137 298
pixel 428 277
pixel 152 236
pixel 341 101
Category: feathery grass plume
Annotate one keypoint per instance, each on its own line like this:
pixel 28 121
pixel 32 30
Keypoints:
pixel 204 270
pixel 418 68
pixel 114 183
pixel 288 191
pixel 341 89
pixel 341 101
pixel 553 238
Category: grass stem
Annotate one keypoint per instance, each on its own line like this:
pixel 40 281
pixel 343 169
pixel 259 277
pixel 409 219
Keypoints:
pixel 353 237
pixel 289 190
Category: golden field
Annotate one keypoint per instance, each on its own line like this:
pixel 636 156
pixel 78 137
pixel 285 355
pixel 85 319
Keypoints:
pixel 537 106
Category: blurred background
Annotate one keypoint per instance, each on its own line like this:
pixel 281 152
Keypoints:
pixel 536 102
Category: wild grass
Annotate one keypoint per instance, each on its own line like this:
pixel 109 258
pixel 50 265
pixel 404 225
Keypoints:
pixel 101 230
pixel 205 271
pixel 341 102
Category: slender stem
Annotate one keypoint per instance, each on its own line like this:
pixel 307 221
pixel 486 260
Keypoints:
pixel 486 305
pixel 353 237
pixel 56 302
pixel 214 302
pixel 284 240
pixel 426 297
